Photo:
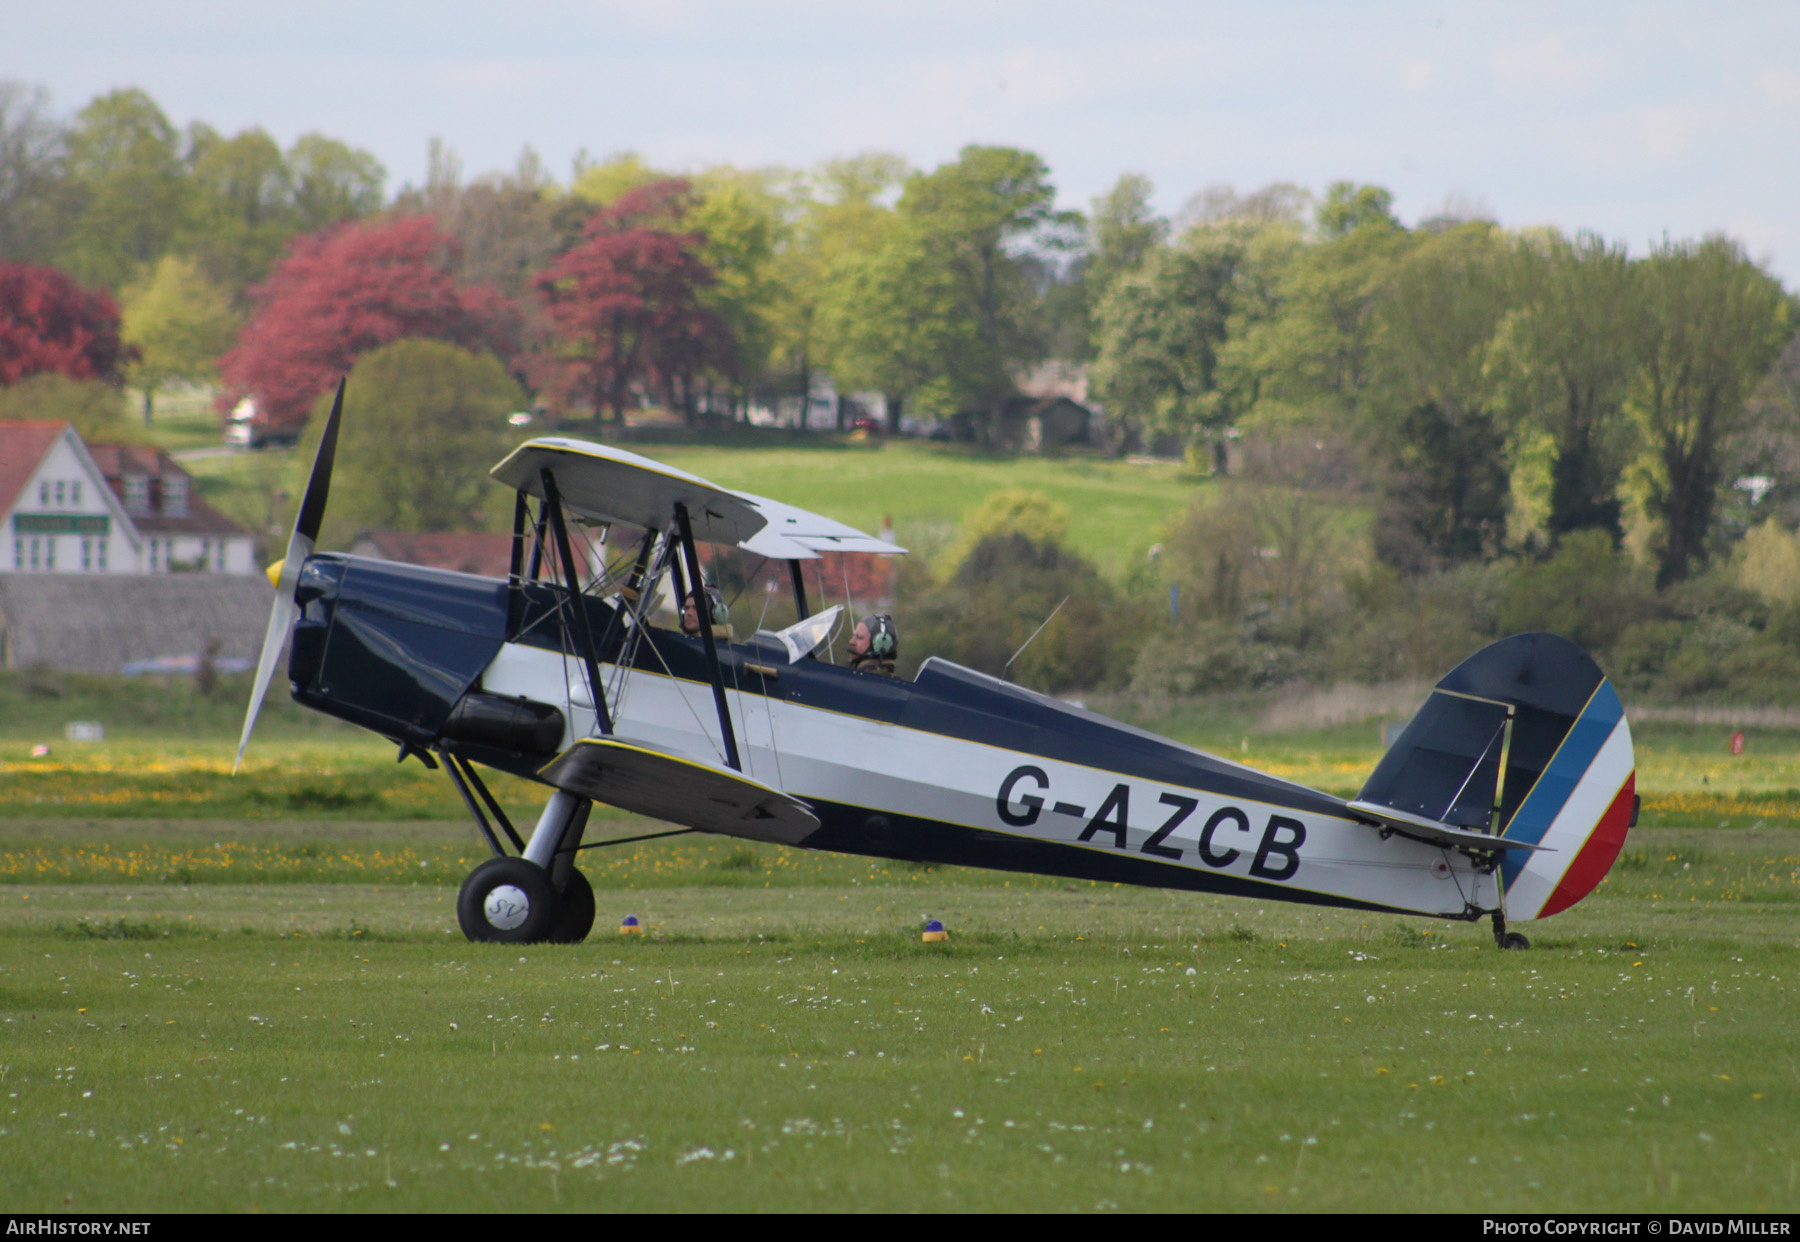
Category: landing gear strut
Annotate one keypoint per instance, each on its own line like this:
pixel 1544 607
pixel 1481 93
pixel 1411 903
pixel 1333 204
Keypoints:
pixel 1505 939
pixel 539 895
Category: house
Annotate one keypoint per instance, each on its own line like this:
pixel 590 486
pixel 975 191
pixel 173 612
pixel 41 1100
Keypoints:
pixel 180 531
pixel 821 407
pixel 1032 424
pixel 470 552
pixel 74 508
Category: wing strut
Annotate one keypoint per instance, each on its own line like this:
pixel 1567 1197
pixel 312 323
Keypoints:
pixel 799 589
pixel 703 613
pixel 553 502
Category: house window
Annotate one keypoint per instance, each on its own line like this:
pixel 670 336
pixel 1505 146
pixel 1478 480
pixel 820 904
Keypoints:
pixel 205 553
pixel 34 554
pixel 75 493
pixel 153 565
pixel 137 492
pixel 219 557
pixel 18 554
pixel 87 554
pixel 175 493
pixel 61 493
pixel 43 495
pixel 103 556
pixel 50 552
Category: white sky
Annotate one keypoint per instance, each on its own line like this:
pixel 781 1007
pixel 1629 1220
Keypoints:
pixel 1634 120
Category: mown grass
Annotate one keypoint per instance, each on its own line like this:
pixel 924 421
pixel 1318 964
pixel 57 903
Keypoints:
pixel 1117 510
pixel 221 994
pixel 168 752
pixel 1074 1047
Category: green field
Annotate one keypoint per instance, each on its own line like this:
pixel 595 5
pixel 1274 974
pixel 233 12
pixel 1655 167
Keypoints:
pixel 238 994
pixel 1117 510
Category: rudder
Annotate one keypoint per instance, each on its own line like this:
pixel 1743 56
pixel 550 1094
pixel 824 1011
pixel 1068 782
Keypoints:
pixel 1526 737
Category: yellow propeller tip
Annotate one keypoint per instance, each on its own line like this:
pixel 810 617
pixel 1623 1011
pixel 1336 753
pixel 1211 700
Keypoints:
pixel 274 572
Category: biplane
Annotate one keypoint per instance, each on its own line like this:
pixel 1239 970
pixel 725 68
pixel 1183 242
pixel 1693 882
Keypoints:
pixel 1508 795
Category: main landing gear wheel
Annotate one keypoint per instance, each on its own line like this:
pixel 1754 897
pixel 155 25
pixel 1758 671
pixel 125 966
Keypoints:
pixel 574 917
pixel 1513 940
pixel 508 901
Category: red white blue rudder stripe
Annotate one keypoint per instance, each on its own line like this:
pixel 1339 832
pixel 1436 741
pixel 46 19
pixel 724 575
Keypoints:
pixel 1579 810
pixel 1526 737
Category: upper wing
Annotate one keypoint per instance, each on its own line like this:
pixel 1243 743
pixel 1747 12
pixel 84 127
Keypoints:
pixel 608 484
pixel 794 534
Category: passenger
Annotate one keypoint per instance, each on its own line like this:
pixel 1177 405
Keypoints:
pixel 720 614
pixel 874 645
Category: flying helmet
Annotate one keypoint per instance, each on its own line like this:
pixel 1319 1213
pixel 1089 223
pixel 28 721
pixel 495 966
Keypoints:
pixel 716 605
pixel 884 639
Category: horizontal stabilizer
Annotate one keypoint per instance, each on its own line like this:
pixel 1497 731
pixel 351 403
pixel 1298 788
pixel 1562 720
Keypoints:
pixel 1437 833
pixel 648 780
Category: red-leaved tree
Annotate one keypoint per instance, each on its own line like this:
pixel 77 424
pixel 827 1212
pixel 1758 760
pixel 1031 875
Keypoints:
pixel 626 305
pixel 346 290
pixel 50 323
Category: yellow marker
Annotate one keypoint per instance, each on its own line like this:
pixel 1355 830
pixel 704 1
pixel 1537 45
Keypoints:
pixel 934 932
pixel 274 572
pixel 631 926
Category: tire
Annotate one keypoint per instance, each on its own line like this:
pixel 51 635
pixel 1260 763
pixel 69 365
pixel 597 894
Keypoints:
pixel 1514 940
pixel 488 913
pixel 574 911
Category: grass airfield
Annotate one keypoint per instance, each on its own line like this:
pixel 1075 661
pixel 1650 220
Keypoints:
pixel 213 1003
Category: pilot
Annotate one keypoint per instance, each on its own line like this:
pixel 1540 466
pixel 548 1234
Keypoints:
pixel 718 610
pixel 874 645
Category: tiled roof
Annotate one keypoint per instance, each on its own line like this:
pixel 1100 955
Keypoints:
pixel 22 449
pixel 471 552
pixel 118 460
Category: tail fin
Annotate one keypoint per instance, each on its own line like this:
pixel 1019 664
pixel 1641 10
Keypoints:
pixel 1526 738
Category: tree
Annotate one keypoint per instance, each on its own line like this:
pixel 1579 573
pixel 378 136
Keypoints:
pixel 1717 322
pixel 179 322
pixel 49 323
pixel 33 147
pixel 1123 231
pixel 242 210
pixel 1567 353
pixel 339 294
pixel 628 304
pixel 943 309
pixel 130 189
pixel 743 223
pixel 1162 330
pixel 506 228
pixel 96 408
pixel 838 217
pixel 1445 498
pixel 332 182
pixel 1312 357
pixel 1437 420
pixel 603 184
pixel 1349 207
pixel 423 422
pixel 1008 586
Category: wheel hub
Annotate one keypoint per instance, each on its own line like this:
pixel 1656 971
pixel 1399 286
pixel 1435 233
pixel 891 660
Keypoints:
pixel 507 907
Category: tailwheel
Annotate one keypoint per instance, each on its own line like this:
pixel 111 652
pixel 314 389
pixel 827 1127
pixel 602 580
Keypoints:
pixel 1507 939
pixel 509 901
pixel 574 917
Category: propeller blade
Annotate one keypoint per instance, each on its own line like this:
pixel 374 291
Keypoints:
pixel 318 486
pixel 300 546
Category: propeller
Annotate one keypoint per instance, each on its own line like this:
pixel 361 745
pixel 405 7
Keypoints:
pixel 300 546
